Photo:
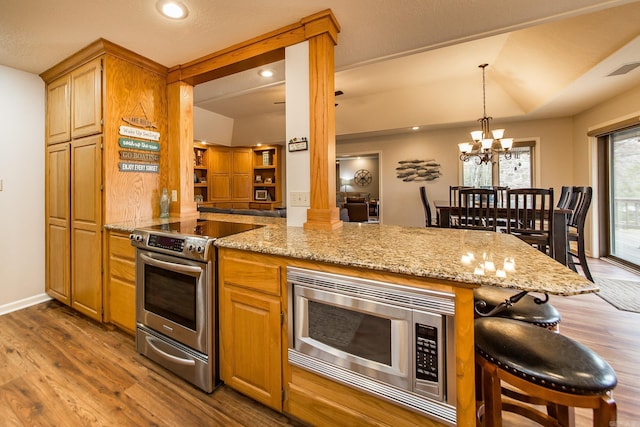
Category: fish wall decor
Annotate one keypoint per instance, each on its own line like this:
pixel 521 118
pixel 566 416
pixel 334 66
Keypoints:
pixel 418 170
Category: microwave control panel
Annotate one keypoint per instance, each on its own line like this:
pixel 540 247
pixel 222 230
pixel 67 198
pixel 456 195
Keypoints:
pixel 426 352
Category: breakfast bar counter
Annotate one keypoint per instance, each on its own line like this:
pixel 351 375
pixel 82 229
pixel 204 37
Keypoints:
pixel 256 316
pixel 468 257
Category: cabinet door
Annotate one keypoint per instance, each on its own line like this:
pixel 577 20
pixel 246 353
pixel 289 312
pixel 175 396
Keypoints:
pixel 219 174
pixel 57 256
pixel 241 176
pixel 250 344
pixel 59 110
pixel 86 99
pixel 86 226
pixel 121 282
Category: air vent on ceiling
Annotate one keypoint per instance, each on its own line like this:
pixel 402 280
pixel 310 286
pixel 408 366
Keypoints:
pixel 624 69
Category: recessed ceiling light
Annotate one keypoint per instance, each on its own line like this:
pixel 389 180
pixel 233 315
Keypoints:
pixel 172 9
pixel 266 73
pixel 415 128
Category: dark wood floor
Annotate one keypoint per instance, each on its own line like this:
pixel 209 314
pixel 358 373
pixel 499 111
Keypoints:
pixel 613 334
pixel 58 368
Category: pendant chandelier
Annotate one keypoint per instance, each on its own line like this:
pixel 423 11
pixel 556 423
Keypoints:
pixel 486 143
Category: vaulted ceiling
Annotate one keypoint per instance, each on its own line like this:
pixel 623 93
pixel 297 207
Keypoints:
pixel 399 62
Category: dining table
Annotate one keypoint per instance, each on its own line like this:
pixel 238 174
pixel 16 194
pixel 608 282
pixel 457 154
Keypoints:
pixel 558 234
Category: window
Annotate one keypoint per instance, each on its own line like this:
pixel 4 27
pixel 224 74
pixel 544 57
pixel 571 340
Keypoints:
pixel 623 164
pixel 516 172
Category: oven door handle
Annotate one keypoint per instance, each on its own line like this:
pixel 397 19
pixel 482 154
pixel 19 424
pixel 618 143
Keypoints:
pixel 180 268
pixel 175 359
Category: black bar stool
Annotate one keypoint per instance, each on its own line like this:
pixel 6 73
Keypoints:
pixel 525 310
pixel 546 368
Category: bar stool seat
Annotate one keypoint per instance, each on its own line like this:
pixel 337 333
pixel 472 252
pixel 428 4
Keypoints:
pixel 547 369
pixel 525 310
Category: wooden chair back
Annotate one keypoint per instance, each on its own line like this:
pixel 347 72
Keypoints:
pixel 426 206
pixel 530 216
pixel 565 197
pixel 477 209
pixel 454 191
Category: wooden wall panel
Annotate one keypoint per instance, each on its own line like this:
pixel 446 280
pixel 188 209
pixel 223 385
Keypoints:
pixel 180 155
pixel 132 91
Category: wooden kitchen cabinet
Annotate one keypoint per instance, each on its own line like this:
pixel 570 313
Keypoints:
pixel 120 295
pixel 58 222
pixel 251 326
pixel 74 104
pixel 86 99
pixel 230 176
pixel 58 124
pixel 74 224
pixel 86 226
pixel 91 96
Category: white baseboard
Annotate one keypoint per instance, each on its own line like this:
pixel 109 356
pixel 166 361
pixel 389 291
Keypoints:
pixel 23 303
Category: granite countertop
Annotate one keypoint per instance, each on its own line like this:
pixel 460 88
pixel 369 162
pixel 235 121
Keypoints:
pixel 463 256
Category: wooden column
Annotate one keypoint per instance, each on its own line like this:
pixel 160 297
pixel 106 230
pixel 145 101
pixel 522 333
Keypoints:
pixel 180 153
pixel 321 31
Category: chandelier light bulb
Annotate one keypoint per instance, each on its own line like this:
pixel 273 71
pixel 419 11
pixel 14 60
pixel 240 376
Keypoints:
pixel 507 143
pixel 498 133
pixel 477 135
pixel 465 147
pixel 486 144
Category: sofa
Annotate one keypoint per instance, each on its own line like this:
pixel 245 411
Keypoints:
pixel 341 197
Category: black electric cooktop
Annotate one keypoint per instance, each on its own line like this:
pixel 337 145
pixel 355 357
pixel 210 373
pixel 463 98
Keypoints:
pixel 203 228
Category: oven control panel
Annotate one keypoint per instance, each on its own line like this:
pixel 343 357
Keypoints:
pixel 163 242
pixel 426 352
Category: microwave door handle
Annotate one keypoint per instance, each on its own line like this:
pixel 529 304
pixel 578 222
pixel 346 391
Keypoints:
pixel 171 357
pixel 187 269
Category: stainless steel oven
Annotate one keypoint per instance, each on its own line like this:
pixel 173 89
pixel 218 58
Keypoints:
pixel 176 296
pixel 390 340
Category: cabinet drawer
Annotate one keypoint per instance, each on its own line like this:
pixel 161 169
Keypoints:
pixel 120 247
pixel 252 274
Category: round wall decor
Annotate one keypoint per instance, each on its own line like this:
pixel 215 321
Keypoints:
pixel 362 177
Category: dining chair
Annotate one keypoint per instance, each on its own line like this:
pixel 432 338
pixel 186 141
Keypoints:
pixel 530 216
pixel 427 207
pixel 565 197
pixel 477 209
pixel 453 203
pixel 579 204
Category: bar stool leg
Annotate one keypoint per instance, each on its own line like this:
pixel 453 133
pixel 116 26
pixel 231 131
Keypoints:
pixel 492 394
pixel 607 413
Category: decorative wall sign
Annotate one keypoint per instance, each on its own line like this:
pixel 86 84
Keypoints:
pixel 138 145
pixel 139 133
pixel 138 167
pixel 143 157
pixel 362 177
pixel 418 170
pixel 298 144
pixel 142 121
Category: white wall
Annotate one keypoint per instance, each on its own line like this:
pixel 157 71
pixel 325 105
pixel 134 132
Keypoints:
pixel 22 195
pixel 211 127
pixel 400 201
pixel 298 176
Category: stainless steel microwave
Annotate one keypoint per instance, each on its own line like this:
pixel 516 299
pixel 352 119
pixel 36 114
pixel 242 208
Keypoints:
pixel 390 340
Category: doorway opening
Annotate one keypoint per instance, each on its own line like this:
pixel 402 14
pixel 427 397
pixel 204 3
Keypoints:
pixel 620 202
pixel 358 178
